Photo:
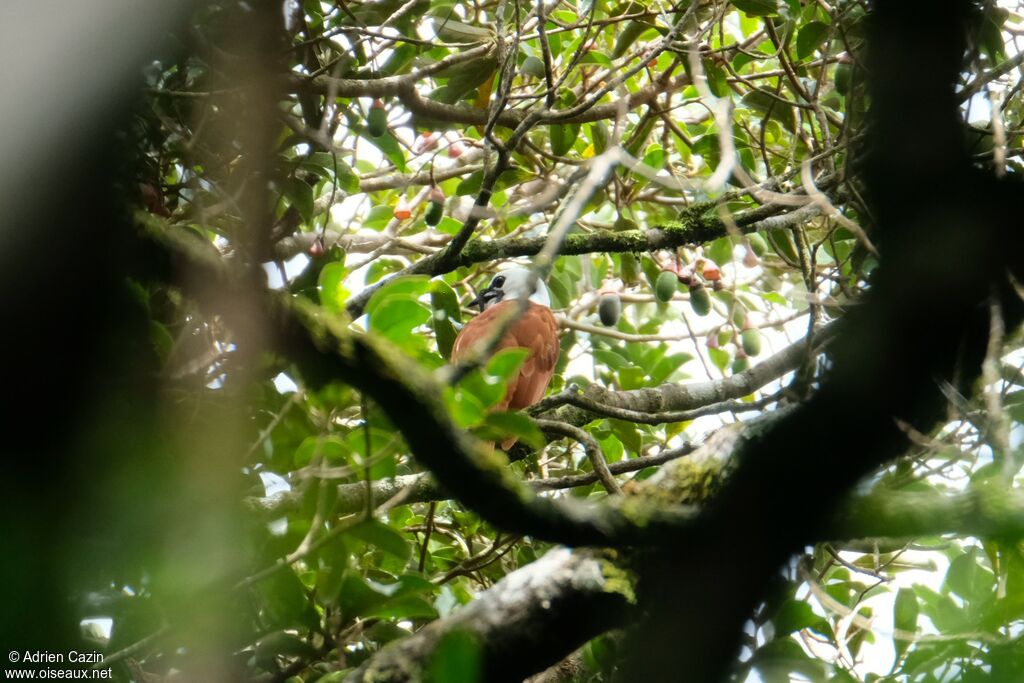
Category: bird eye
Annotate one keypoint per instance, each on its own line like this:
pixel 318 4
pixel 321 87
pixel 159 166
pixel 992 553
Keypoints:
pixel 498 281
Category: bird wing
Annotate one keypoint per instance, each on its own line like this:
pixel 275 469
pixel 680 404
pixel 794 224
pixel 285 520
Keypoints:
pixel 536 331
pixel 476 330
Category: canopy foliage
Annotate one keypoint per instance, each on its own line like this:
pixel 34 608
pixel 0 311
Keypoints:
pixel 317 190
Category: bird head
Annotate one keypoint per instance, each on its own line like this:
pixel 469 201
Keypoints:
pixel 512 283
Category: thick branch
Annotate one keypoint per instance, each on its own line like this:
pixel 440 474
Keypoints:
pixel 498 623
pixel 698 225
pixel 325 349
pixel 665 400
pixel 404 88
pixel 524 623
pixel 423 488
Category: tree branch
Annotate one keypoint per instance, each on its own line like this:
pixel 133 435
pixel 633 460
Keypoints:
pixel 326 350
pixel 524 623
pixel 984 511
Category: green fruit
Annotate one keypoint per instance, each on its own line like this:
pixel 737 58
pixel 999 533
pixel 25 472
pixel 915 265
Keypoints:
pixel 739 315
pixel 534 66
pixel 751 341
pixel 630 270
pixel 700 300
pixel 434 212
pixel 666 286
pixel 843 78
pixel 757 243
pixel 377 120
pixel 739 364
pixel 609 308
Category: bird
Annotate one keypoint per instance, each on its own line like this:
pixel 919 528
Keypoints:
pixel 536 330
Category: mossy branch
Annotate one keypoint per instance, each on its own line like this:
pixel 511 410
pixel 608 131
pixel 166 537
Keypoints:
pixel 325 349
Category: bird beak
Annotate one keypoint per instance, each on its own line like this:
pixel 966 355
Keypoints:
pixel 485 297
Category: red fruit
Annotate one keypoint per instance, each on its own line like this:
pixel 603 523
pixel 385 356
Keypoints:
pixel 402 210
pixel 711 272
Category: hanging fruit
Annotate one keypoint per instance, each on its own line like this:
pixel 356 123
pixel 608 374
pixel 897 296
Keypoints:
pixel 665 287
pixel 700 300
pixel 609 308
pixel 436 208
pixel 402 210
pixel 377 120
pixel 751 340
pixel 711 271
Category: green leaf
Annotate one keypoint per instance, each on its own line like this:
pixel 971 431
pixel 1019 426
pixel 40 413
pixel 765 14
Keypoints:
pixel 504 424
pixel 407 285
pixel 446 312
pixel 506 362
pixel 627 35
pixel 300 196
pixel 757 8
pixel 281 643
pixel 632 377
pixel 285 601
pixel 594 57
pixel 779 658
pixel 464 79
pixel 532 66
pixel 456 659
pixel 796 615
pixel 397 316
pixel 720 251
pixel 716 77
pixel 905 612
pixel 346 180
pixel 357 597
pixel 944 613
pixel 810 38
pixel 563 136
pixel 444 298
pixel 390 148
pixel 470 185
pixel 330 447
pixel 968 579
pixel 333 295
pixel 384 537
pixel 405 607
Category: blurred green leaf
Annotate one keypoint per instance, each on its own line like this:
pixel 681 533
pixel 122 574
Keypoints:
pixel 456 659
pixel 810 37
pixel 757 8
pixel 383 537
pixel 905 613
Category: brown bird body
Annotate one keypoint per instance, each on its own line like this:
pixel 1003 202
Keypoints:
pixel 536 330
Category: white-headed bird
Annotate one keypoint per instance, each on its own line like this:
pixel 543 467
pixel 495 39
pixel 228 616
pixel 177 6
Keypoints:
pixel 536 330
